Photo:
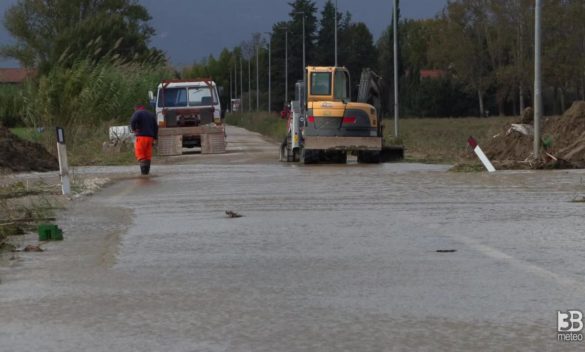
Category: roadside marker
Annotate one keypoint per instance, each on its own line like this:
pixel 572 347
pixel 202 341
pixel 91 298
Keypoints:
pixel 480 154
pixel 63 164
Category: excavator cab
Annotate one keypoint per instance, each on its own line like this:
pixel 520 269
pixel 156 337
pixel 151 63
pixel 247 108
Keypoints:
pixel 335 125
pixel 329 84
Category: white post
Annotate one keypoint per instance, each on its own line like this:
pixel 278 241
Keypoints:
pixel 63 164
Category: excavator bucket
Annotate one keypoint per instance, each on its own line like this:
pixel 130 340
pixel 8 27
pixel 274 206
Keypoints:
pixel 392 153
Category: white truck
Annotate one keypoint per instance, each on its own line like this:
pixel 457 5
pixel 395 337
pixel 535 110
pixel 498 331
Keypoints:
pixel 189 115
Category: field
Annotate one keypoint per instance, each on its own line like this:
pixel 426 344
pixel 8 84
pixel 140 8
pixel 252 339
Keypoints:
pixel 430 140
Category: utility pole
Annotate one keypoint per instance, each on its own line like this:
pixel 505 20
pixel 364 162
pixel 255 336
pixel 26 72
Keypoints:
pixel 257 78
pixel 235 80
pixel 250 84
pixel 285 64
pixel 537 76
pixel 396 87
pixel 231 90
pixel 335 33
pixel 269 71
pixel 304 52
pixel 241 86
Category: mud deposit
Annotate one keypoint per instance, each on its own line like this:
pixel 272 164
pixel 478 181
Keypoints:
pixel 19 155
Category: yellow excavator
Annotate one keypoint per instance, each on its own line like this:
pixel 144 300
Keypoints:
pixel 325 125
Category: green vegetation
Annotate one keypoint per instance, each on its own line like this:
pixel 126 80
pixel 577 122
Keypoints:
pixel 10 105
pixel 94 66
pixel 27 133
pixel 86 95
pixel 61 33
pixel 267 124
pixel 443 140
pixel 85 99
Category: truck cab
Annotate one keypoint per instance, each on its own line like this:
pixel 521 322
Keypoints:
pixel 191 110
pixel 187 103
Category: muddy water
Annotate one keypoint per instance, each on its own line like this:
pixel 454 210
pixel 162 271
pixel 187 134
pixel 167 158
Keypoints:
pixel 326 258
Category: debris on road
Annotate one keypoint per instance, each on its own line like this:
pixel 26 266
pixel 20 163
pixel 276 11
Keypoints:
pixel 232 214
pixel 563 142
pixel 446 250
pixel 33 248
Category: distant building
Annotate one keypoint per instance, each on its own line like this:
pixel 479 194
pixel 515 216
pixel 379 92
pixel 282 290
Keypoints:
pixel 432 74
pixel 14 76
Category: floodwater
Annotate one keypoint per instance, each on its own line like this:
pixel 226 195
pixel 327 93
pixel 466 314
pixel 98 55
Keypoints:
pixel 325 258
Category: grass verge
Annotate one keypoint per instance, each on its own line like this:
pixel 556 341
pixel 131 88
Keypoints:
pixel 267 124
pixel 443 140
pixel 27 133
pixel 85 145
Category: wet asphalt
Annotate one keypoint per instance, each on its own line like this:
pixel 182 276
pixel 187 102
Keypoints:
pixel 392 257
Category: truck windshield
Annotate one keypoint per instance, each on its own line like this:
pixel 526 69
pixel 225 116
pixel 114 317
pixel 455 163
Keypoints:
pixel 172 97
pixel 321 83
pixel 181 97
pixel 200 96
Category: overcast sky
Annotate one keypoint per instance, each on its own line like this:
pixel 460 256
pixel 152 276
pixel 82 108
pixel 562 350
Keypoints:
pixel 189 30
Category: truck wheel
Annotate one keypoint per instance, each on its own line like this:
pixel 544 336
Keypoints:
pixel 336 157
pixel 309 156
pixel 296 155
pixel 368 157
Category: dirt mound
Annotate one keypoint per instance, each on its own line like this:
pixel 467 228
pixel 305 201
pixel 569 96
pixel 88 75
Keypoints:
pixel 527 116
pixel 563 141
pixel 20 156
pixel 577 110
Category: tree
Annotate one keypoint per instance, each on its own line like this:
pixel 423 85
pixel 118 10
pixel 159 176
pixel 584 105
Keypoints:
pixel 279 34
pixel 459 45
pixel 65 31
pixel 326 36
pixel 295 39
pixel 386 62
pixel 356 50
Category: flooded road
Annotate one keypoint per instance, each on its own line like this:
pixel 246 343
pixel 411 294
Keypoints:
pixel 325 258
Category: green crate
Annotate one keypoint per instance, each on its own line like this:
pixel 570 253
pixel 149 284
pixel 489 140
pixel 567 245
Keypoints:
pixel 57 235
pixel 50 232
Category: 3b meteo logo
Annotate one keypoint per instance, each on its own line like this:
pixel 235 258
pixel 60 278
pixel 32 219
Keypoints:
pixel 570 326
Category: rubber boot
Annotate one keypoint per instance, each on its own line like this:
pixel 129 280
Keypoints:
pixel 147 167
pixel 143 167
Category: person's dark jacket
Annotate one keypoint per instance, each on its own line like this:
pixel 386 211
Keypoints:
pixel 144 124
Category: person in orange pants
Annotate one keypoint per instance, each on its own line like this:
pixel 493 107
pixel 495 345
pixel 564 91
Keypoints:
pixel 145 127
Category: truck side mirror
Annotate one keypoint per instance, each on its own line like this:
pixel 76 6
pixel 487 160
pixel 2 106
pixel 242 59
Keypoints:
pixel 150 95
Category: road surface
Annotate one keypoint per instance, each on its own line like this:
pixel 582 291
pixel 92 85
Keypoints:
pixel 326 258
